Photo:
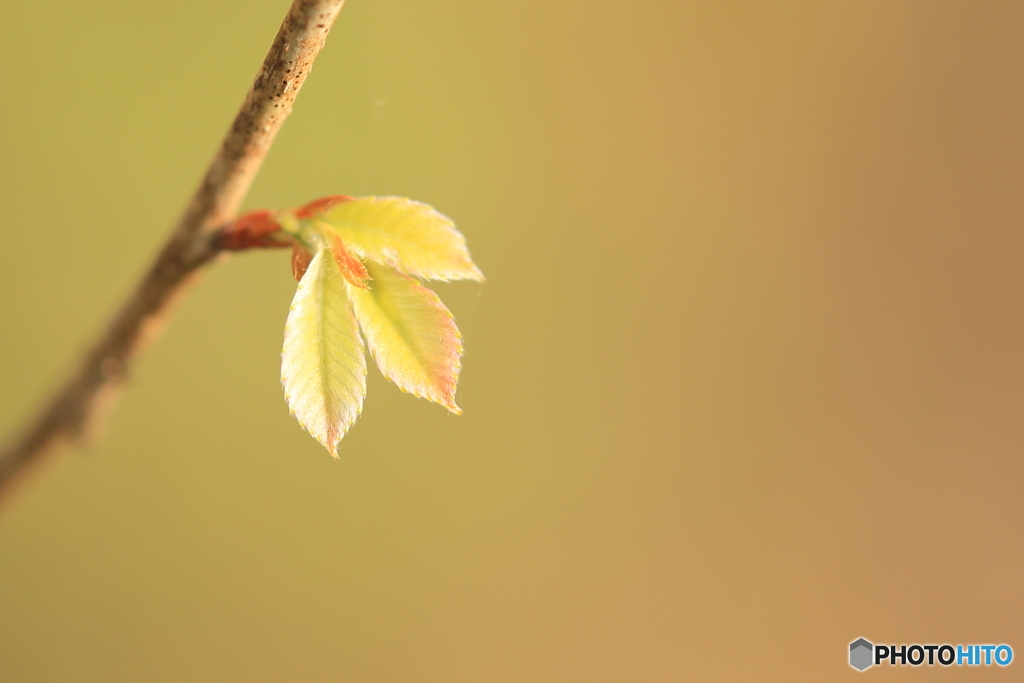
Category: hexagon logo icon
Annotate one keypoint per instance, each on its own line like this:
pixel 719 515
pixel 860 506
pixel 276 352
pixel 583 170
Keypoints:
pixel 861 654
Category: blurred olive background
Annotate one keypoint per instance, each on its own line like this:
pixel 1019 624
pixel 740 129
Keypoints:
pixel 744 384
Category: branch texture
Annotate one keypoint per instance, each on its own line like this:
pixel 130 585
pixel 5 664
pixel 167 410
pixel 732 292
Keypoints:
pixel 74 410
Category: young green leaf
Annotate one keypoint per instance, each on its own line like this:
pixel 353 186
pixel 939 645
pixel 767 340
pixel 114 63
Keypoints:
pixel 323 365
pixel 409 236
pixel 356 260
pixel 411 335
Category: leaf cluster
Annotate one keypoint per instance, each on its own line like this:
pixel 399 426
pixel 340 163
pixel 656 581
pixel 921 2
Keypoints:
pixel 359 263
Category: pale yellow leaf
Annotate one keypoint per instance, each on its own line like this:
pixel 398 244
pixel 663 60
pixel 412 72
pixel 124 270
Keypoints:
pixel 409 236
pixel 323 365
pixel 411 335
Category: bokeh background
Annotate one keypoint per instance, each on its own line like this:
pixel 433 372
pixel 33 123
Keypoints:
pixel 745 383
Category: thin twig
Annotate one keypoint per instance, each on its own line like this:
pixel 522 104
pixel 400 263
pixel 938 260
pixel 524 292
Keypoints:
pixel 75 409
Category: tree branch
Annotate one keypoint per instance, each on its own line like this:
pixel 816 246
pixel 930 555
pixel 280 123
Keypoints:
pixel 75 409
